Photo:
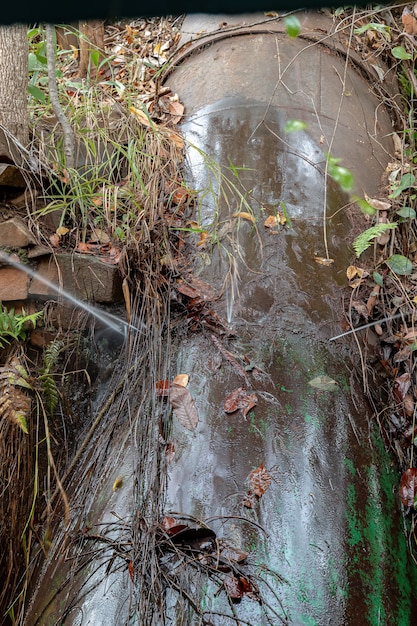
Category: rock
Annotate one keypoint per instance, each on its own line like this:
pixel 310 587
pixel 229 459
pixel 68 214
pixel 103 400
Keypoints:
pixel 14 284
pixel 11 176
pixel 38 251
pixel 15 234
pixel 84 276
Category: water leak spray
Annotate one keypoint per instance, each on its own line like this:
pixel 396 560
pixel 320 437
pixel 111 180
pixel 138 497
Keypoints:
pixel 111 321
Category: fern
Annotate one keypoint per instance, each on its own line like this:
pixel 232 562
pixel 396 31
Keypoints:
pixel 47 380
pixel 365 239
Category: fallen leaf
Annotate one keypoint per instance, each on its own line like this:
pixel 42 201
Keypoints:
pixel 162 387
pixel 184 407
pixel 323 260
pixel 177 111
pixel 203 236
pixel 180 196
pixel 245 216
pixel 62 230
pixel 408 486
pixel 177 140
pixel 131 570
pixel 240 399
pixel 259 480
pixel 168 523
pixel 140 116
pixel 249 500
pixel 55 239
pixel 379 205
pixel 401 386
pixel 324 383
pixel 233 588
pixel 84 248
pixel 181 380
pixel 271 221
pixel 351 272
pixel 117 483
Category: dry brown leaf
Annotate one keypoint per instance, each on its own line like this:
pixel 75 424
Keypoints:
pixel 184 407
pixel 323 260
pixel 118 483
pixel 204 235
pixel 378 205
pixel 351 272
pixel 140 116
pixel 181 380
pixel 245 216
pixel 271 221
pixel 62 230
pixel 356 283
pixel 259 480
pixel 240 399
pixel 55 239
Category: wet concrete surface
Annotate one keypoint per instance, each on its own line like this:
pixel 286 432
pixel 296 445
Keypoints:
pixel 332 527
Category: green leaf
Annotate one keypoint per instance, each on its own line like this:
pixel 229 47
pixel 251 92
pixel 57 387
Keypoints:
pixel 380 28
pixel 364 206
pixel 293 126
pixel 340 174
pixel 399 264
pixel 324 383
pixel 95 57
pixel 292 26
pixel 401 53
pixel 365 239
pixel 378 279
pixel 407 181
pixel 407 212
pixel 36 93
pixel 20 420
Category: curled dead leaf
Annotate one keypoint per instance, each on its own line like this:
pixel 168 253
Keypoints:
pixel 351 272
pixel 118 483
pixel 408 486
pixel 181 379
pixel 271 221
pixel 323 260
pixel 259 480
pixel 379 205
pixel 245 216
pixel 240 399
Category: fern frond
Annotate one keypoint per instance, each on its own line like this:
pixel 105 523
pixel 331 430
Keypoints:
pixel 365 239
pixel 51 354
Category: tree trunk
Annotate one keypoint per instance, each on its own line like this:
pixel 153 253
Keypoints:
pixel 91 38
pixel 13 88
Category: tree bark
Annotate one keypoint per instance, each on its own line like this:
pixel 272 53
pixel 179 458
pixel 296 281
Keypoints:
pixel 91 38
pixel 13 88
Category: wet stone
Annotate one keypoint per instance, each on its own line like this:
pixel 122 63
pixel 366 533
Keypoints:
pixel 15 234
pixel 13 284
pixel 11 176
pixel 83 276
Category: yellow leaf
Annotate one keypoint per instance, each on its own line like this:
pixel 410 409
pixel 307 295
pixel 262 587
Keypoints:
pixel 245 216
pixel 351 272
pixel 203 236
pixel 140 116
pixel 62 230
pixel 271 221
pixel 281 218
pixel 181 379
pixel 323 261
pixel 117 483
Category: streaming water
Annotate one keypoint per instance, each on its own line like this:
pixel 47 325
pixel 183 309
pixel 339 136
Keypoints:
pixel 116 324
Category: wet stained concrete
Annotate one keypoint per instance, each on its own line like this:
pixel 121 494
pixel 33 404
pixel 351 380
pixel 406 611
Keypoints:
pixel 332 527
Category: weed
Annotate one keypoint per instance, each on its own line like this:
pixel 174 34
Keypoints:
pixel 14 326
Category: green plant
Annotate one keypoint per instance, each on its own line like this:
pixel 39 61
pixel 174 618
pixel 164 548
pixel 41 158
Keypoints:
pixel 365 239
pixel 14 326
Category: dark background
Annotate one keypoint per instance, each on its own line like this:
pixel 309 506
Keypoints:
pixel 64 11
